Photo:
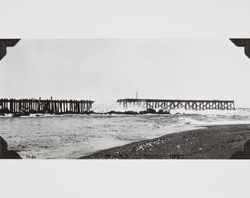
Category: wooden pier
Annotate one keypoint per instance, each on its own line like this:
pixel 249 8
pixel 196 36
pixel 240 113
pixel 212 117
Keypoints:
pixel 45 106
pixel 178 104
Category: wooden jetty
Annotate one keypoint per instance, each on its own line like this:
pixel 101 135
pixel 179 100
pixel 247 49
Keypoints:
pixel 45 106
pixel 178 104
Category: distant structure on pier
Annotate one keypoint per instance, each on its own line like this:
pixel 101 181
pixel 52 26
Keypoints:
pixel 178 104
pixel 45 106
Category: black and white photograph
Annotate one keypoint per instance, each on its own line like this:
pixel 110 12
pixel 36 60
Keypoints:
pixel 135 98
pixel 125 99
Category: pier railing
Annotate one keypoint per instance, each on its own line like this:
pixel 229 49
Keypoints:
pixel 178 104
pixel 45 106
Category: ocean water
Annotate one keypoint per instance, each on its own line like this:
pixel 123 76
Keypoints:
pixel 73 136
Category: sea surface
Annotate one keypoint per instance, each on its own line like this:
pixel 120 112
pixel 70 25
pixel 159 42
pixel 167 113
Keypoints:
pixel 73 136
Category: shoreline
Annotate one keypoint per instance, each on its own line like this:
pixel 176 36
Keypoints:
pixel 211 142
pixel 112 112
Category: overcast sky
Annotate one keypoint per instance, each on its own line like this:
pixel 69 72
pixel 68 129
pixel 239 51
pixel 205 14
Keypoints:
pixel 105 70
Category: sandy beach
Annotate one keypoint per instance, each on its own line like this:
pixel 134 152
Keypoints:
pixel 212 142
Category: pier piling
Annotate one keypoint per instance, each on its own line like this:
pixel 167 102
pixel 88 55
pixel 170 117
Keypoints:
pixel 179 104
pixel 45 106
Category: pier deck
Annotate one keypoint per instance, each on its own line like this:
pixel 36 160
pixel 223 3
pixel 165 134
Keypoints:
pixel 178 104
pixel 45 106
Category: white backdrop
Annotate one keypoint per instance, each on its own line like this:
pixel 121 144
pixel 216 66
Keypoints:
pixel 124 19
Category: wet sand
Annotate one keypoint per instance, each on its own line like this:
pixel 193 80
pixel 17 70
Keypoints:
pixel 212 142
